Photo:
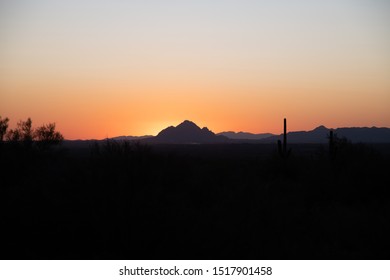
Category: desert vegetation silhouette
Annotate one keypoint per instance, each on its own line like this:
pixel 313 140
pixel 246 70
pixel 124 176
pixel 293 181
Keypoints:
pixel 24 134
pixel 135 200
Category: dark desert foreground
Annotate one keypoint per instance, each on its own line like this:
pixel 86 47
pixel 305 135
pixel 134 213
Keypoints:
pixel 126 200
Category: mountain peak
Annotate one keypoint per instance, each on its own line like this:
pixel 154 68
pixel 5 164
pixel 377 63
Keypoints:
pixel 188 132
pixel 188 124
pixel 321 127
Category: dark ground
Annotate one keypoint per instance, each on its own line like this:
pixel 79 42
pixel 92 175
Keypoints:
pixel 233 201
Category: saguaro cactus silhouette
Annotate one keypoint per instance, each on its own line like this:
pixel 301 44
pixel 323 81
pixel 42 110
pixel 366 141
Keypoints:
pixel 332 144
pixel 283 152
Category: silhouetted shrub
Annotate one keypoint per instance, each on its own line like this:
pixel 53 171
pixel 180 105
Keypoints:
pixel 23 133
pixel 3 128
pixel 47 136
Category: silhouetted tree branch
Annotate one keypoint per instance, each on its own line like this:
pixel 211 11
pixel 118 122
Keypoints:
pixel 46 136
pixel 23 132
pixel 3 128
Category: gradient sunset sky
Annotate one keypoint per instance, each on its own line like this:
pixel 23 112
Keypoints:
pixel 108 68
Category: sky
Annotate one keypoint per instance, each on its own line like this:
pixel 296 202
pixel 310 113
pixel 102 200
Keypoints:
pixel 107 68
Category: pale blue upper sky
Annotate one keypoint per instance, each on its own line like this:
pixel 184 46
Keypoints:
pixel 286 46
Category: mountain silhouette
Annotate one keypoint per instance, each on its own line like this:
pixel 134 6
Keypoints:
pixel 187 133
pixel 245 135
pixel 353 134
pixel 130 138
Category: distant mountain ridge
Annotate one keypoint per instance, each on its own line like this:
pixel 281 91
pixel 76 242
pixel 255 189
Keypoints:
pixel 353 134
pixel 245 135
pixel 131 137
pixel 188 132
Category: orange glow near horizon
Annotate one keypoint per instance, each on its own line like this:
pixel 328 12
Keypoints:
pixel 135 69
pixel 98 116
